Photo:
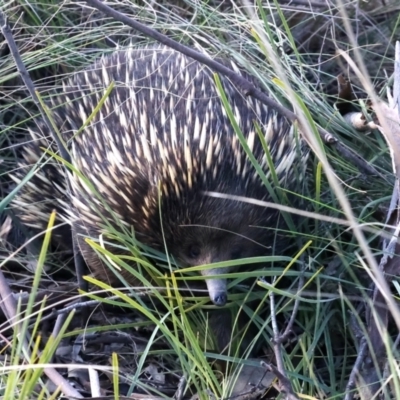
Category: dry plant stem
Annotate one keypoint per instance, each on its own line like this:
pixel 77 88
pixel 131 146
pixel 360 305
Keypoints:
pixel 284 383
pixel 94 382
pixel 58 325
pixel 8 303
pixel 5 29
pixel 244 85
pixel 279 371
pixel 297 211
pixel 355 327
pixel 396 81
pixel 275 329
pixel 305 3
pixel 288 330
pixel 362 352
pixel 9 307
pixel 181 388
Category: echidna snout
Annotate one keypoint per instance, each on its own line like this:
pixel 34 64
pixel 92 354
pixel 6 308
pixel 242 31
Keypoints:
pixel 208 254
pixel 217 290
pixel 226 236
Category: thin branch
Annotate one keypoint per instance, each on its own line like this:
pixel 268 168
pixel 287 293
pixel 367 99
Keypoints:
pixel 356 370
pixel 284 383
pixel 280 372
pixel 288 330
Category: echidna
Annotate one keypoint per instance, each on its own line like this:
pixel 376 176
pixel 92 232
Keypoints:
pixel 160 141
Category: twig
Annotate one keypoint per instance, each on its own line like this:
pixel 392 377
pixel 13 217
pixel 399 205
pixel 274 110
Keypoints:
pixel 243 84
pixel 288 330
pixel 396 82
pixel 181 388
pixel 307 3
pixel 275 329
pixel 289 327
pixel 356 369
pixel 280 372
pixel 285 385
pixel 278 339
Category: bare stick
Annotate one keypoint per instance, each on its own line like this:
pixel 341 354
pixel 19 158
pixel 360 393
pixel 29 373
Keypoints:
pixel 280 372
pixel 288 330
pixel 284 383
pixel 356 370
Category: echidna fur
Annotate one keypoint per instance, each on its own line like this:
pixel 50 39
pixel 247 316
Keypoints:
pixel 158 144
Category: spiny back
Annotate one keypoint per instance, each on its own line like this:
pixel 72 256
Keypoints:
pixel 160 141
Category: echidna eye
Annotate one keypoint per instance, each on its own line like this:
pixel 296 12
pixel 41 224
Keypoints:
pixel 194 251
